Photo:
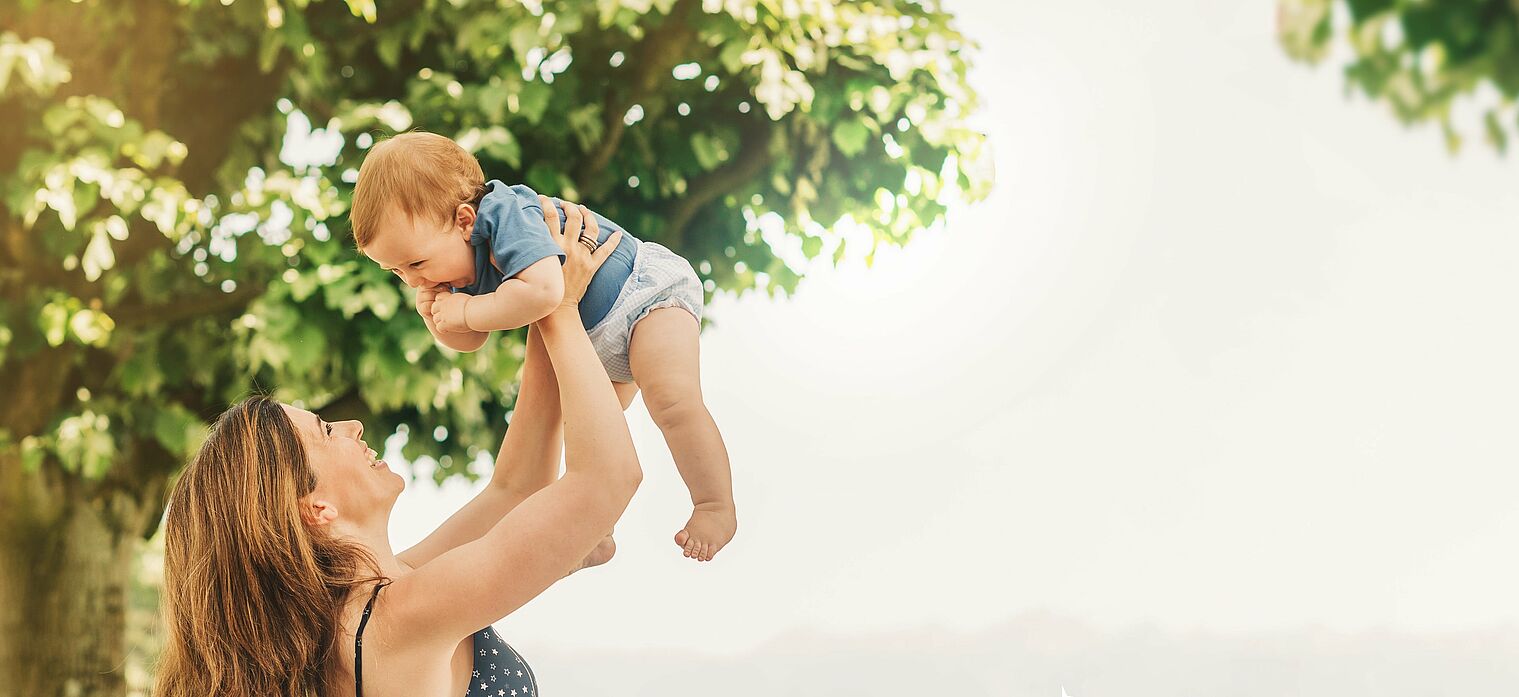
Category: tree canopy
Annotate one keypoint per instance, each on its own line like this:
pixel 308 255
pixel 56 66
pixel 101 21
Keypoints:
pixel 1427 59
pixel 172 229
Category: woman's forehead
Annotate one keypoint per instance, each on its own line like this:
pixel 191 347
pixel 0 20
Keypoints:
pixel 303 420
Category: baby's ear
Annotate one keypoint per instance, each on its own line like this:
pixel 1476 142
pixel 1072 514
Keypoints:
pixel 464 218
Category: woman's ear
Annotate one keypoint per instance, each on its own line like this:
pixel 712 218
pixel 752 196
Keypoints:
pixel 464 220
pixel 317 512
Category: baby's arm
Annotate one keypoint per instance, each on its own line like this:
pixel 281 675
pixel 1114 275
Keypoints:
pixel 521 300
pixel 463 342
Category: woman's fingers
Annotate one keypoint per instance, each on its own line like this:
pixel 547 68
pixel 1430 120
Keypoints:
pixel 550 215
pixel 572 222
pixel 592 229
pixel 606 248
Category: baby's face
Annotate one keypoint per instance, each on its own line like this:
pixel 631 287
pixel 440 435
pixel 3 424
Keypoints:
pixel 423 253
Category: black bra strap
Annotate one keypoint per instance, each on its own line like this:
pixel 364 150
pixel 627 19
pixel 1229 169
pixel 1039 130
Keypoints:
pixel 358 642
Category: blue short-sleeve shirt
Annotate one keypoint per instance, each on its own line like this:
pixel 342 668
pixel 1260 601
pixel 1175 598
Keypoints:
pixel 510 235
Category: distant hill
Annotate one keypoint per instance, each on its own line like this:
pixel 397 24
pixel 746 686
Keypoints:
pixel 1039 655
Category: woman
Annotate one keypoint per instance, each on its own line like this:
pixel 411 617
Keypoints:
pixel 279 576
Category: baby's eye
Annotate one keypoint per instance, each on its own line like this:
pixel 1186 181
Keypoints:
pixel 418 264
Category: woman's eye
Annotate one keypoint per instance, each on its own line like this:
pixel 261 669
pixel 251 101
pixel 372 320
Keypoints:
pixel 329 429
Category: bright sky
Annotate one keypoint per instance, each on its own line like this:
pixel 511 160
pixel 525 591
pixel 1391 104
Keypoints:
pixel 1224 350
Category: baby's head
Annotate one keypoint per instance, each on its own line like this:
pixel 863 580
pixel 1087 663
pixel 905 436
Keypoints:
pixel 414 209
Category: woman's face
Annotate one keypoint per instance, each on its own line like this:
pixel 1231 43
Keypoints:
pixel 352 483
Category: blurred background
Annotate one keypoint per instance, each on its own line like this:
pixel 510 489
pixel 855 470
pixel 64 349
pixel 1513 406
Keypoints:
pixel 1062 348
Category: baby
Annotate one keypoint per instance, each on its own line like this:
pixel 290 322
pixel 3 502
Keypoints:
pixel 482 259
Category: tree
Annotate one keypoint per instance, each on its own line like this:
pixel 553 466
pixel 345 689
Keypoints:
pixel 166 244
pixel 1427 59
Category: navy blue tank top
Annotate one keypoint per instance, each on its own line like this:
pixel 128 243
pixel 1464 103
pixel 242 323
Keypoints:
pixel 498 670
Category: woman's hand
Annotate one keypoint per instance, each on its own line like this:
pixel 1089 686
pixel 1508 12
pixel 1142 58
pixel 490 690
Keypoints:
pixel 580 263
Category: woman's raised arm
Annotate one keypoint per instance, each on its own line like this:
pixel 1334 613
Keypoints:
pixel 529 455
pixel 528 460
pixel 548 534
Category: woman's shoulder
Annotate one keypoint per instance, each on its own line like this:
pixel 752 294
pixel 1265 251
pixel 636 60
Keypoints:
pixel 395 654
pixel 395 606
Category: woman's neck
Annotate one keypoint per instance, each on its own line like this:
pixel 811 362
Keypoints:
pixel 377 540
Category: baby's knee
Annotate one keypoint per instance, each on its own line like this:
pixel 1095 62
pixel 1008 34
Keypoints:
pixel 673 406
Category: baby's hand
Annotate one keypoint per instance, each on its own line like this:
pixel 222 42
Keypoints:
pixel 448 312
pixel 426 297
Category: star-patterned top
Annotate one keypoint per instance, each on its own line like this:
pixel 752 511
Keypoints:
pixel 499 671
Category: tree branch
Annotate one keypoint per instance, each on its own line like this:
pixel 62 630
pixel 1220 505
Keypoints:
pixel 753 157
pixel 136 315
pixel 656 55
pixel 346 406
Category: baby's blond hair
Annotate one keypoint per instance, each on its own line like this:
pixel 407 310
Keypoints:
pixel 419 174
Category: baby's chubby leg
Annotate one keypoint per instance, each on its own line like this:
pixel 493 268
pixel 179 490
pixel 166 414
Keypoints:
pixel 665 357
pixel 626 391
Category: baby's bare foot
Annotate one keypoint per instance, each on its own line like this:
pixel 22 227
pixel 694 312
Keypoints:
pixel 601 555
pixel 711 526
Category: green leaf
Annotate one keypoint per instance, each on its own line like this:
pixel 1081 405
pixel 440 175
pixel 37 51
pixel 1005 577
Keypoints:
pixel 175 428
pixel 33 451
pixel 381 299
pixel 97 256
pixel 1361 10
pixel 53 320
pixel 1495 133
pixel 812 246
pixel 389 50
pixel 140 374
pixel 533 100
pixel 269 51
pixel 850 137
pixel 523 38
pixel 709 153
pixel 493 103
pixel 365 9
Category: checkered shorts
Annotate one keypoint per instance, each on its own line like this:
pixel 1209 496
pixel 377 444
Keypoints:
pixel 661 278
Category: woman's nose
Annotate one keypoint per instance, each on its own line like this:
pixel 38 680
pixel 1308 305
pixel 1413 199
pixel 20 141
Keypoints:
pixel 356 428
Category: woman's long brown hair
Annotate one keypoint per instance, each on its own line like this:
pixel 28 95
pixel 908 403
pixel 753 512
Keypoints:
pixel 252 595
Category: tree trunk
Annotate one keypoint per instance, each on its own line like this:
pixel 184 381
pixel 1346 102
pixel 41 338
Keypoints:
pixel 64 568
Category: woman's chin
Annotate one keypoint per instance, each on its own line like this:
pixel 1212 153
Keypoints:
pixel 398 481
